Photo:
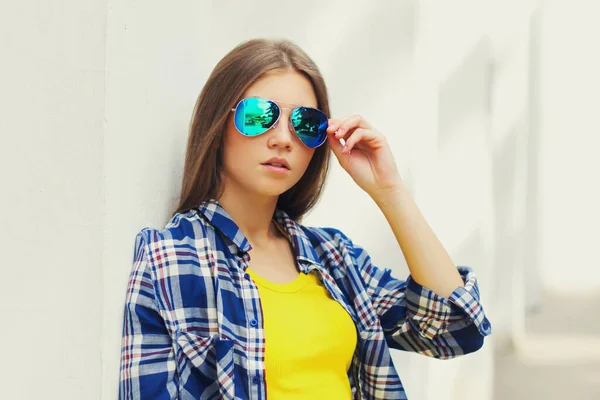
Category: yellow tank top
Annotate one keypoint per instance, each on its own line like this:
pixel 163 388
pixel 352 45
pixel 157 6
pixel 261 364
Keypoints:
pixel 310 340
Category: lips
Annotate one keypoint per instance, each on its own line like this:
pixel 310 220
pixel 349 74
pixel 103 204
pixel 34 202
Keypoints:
pixel 276 165
pixel 277 162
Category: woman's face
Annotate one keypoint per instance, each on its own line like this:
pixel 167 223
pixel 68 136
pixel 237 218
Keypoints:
pixel 243 156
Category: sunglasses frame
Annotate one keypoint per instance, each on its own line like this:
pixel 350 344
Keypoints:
pixel 279 116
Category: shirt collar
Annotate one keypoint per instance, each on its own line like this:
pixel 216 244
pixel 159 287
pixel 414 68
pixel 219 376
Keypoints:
pixel 214 212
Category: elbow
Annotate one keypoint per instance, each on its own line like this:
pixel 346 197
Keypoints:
pixel 474 343
pixel 475 336
pixel 466 341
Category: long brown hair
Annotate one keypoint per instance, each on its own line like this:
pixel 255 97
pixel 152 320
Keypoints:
pixel 230 78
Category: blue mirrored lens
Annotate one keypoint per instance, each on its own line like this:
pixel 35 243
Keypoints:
pixel 254 116
pixel 310 125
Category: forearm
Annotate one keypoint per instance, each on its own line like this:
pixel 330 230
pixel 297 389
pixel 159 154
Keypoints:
pixel 428 262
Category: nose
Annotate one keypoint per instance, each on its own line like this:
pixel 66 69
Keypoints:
pixel 282 134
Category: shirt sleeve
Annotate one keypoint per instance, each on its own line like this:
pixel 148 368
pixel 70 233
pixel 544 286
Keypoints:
pixel 147 357
pixel 419 320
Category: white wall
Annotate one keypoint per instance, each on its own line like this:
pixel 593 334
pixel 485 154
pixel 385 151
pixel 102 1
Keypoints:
pixel 94 143
pixel 51 125
pixel 569 100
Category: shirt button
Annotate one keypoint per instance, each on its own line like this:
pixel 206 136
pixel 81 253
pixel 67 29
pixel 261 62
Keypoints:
pixel 247 276
pixel 253 322
pixel 256 379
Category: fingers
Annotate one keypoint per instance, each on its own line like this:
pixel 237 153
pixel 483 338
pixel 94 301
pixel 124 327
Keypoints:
pixel 357 135
pixel 335 145
pixel 334 125
pixel 342 127
pixel 352 129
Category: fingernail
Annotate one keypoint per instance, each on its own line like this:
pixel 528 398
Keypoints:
pixel 344 149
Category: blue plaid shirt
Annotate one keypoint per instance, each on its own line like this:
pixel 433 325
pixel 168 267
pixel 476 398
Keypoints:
pixel 193 326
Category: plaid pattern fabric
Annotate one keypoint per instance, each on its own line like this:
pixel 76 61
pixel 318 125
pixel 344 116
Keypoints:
pixel 193 325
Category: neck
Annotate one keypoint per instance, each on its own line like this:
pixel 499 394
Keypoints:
pixel 253 214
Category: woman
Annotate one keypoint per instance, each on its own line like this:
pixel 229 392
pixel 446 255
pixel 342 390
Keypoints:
pixel 235 298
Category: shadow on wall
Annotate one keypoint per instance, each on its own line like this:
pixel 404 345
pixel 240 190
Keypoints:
pixel 498 170
pixel 463 151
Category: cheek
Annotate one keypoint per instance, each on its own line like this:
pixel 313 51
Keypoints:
pixel 233 150
pixel 306 157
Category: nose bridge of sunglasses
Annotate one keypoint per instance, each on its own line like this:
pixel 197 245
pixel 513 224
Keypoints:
pixel 286 117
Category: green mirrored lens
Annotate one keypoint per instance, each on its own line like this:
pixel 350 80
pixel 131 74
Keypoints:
pixel 254 116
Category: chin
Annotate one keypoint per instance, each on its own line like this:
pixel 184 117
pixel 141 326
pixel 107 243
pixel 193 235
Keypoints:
pixel 271 189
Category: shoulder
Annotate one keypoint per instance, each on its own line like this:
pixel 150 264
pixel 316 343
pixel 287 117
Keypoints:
pixel 329 240
pixel 323 234
pixel 183 229
pixel 178 254
pixel 336 244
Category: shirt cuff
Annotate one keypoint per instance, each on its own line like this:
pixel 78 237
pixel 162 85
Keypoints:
pixel 435 315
